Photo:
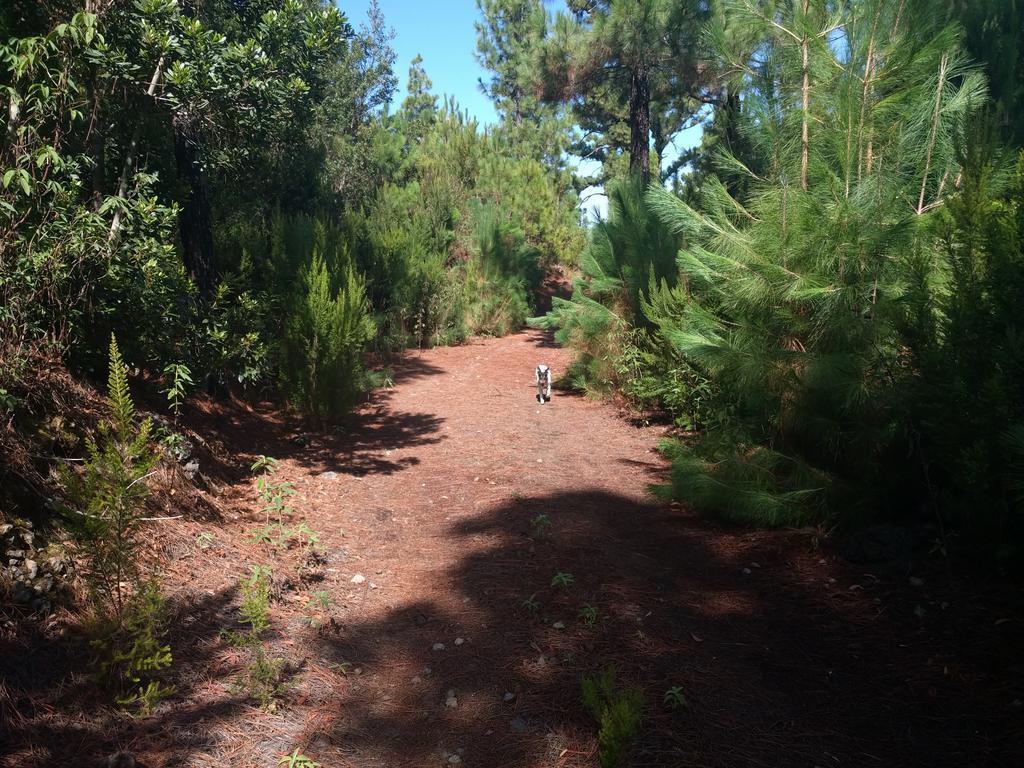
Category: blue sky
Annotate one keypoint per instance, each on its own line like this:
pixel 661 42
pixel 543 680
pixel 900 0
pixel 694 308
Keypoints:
pixel 442 33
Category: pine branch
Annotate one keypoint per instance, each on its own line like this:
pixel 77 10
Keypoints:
pixel 934 130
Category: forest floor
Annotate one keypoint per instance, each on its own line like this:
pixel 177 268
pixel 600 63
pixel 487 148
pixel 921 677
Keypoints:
pixel 424 653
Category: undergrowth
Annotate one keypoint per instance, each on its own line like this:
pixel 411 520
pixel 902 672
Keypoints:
pixel 617 712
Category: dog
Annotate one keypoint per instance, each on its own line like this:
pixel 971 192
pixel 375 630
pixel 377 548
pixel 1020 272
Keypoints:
pixel 542 378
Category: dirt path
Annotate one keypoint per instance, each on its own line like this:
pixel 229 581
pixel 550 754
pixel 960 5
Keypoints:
pixel 782 654
pixel 429 656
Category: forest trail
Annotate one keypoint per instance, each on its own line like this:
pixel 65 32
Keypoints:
pixel 429 632
pixel 784 653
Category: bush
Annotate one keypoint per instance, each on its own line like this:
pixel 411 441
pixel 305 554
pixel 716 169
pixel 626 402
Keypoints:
pixel 109 497
pixel 132 654
pixel 617 713
pixel 327 333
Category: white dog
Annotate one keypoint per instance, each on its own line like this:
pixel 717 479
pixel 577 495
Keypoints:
pixel 542 378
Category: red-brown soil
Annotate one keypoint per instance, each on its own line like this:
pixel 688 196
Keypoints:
pixel 787 655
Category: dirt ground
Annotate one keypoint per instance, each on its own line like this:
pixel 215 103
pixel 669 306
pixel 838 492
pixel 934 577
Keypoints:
pixel 787 655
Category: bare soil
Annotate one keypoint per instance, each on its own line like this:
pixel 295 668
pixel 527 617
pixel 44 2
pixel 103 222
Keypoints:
pixel 787 655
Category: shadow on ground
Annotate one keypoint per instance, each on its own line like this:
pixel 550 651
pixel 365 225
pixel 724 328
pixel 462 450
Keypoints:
pixel 779 667
pixel 358 445
pixel 55 713
pixel 786 655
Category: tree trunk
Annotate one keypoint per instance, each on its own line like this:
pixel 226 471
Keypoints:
pixel 195 222
pixel 640 124
pixel 805 101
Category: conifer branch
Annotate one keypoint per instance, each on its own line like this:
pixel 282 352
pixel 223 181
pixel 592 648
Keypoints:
pixel 934 130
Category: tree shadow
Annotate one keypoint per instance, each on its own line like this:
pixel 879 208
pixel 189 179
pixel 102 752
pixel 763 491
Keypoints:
pixel 358 444
pixel 61 716
pixel 543 339
pixel 786 655
pixel 779 665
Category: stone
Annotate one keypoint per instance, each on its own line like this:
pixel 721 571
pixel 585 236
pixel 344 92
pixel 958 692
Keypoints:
pixel 192 469
pixel 559 625
pixel 43 584
pixel 31 568
pixel 454 759
pixel 358 579
pixel 508 697
pixel 459 641
pixel 746 571
pixel 329 475
pixel 439 646
pixel 916 581
pixel 451 701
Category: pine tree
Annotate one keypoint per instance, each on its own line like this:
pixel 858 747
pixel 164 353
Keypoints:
pixel 109 497
pixel 419 109
pixel 624 256
pixel 793 305
pixel 627 67
pixel 327 334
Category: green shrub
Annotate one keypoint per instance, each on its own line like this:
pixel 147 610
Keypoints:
pixel 255 608
pixel 617 713
pixel 131 653
pixel 108 497
pixel 328 331
pixel 265 678
pixel 625 256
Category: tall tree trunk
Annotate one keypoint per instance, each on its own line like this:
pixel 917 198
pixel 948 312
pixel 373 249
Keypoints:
pixel 640 124
pixel 805 101
pixel 195 222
